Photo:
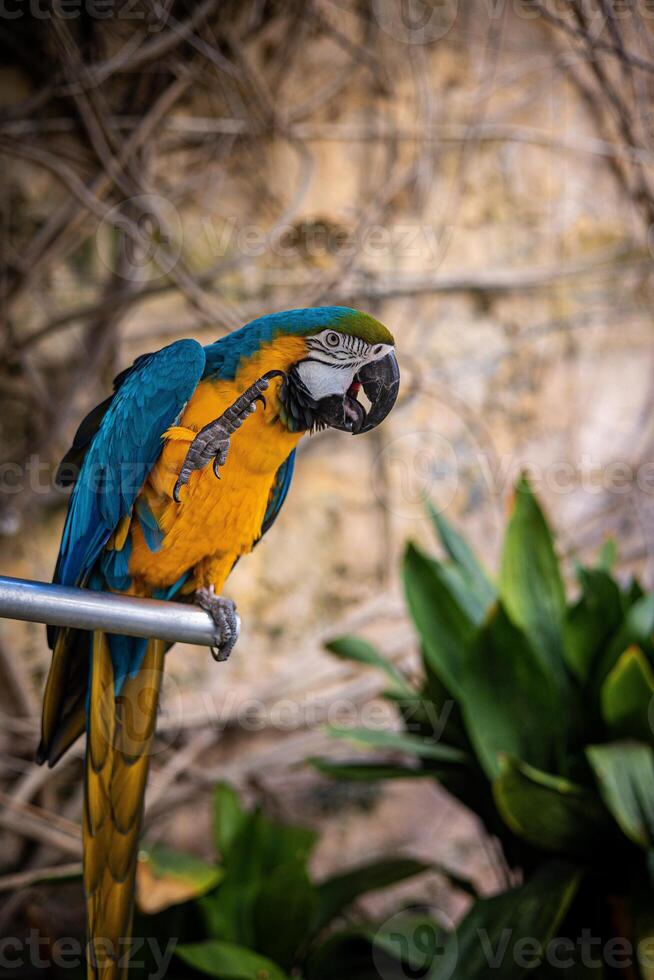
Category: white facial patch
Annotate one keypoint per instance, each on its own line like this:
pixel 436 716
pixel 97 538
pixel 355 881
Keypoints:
pixel 322 379
pixel 334 359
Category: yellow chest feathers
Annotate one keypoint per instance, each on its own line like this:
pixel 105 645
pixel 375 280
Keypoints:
pixel 216 521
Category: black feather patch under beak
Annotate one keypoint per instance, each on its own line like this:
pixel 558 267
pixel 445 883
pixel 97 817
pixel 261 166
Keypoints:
pixel 380 381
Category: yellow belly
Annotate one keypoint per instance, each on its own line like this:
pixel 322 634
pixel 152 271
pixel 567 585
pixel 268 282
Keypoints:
pixel 216 521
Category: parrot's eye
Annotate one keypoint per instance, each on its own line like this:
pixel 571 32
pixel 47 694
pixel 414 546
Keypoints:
pixel 332 339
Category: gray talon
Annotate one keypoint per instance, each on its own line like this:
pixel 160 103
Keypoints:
pixel 228 623
pixel 212 442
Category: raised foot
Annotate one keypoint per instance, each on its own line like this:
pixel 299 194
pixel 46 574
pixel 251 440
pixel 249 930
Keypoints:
pixel 212 442
pixel 227 620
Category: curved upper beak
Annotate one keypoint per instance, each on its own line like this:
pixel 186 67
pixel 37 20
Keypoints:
pixel 380 381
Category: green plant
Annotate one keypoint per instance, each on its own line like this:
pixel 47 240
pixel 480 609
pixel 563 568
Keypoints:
pixel 535 711
pixel 258 914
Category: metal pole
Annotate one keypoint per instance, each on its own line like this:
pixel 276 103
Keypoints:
pixel 58 605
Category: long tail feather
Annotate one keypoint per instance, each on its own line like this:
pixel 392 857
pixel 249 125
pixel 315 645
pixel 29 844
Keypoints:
pixel 119 737
pixel 64 701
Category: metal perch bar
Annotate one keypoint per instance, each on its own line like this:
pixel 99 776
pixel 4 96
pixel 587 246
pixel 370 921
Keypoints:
pixel 58 605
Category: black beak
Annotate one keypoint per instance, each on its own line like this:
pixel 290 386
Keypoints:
pixel 380 381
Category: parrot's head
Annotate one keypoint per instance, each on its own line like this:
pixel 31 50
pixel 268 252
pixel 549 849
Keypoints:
pixel 348 377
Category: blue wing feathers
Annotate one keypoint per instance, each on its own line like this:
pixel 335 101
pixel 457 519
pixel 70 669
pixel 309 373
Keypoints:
pixel 278 494
pixel 151 396
pixel 151 531
pixel 114 566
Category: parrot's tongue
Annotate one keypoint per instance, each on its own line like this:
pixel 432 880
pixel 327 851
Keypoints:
pixel 353 411
pixel 343 412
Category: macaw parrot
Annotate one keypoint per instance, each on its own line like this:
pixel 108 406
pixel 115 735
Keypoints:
pixel 147 516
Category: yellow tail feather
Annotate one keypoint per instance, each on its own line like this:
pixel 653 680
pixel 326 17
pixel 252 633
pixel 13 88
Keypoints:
pixel 119 737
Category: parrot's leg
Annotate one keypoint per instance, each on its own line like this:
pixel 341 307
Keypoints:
pixel 212 442
pixel 223 612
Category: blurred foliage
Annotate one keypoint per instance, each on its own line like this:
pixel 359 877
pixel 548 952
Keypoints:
pixel 258 914
pixel 534 710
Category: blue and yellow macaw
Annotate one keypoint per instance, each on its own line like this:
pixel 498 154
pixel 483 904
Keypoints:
pixel 148 517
